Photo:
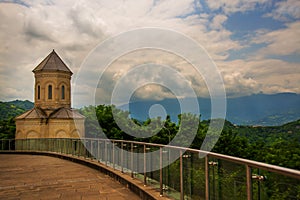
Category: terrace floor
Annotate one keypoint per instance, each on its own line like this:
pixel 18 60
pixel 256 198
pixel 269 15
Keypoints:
pixel 44 177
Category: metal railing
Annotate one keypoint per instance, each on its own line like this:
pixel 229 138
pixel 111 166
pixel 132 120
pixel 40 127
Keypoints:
pixel 176 172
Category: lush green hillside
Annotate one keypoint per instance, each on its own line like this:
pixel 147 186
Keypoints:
pixel 8 111
pixel 289 132
pixel 13 108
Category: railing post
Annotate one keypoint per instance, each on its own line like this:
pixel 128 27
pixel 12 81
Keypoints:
pixel 84 148
pixel 160 171
pixel 59 145
pixel 9 144
pixel 249 182
pixel 122 157
pixel 113 154
pixel 65 145
pixel 98 151
pixel 145 166
pixel 181 177
pixel 38 145
pixel 77 152
pixel 105 152
pixel 68 146
pixel 63 150
pixel 75 147
pixel 50 145
pixel 72 146
pixel 79 146
pixel 206 178
pixel 131 159
pixel 92 146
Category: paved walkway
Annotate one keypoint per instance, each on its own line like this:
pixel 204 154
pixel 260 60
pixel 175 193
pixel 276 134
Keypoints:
pixel 42 177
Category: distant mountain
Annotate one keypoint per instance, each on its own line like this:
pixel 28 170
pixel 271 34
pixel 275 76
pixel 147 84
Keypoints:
pixel 262 109
pixel 256 109
pixel 14 108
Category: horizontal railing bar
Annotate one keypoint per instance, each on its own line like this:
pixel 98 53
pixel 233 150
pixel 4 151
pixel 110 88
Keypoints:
pixel 255 164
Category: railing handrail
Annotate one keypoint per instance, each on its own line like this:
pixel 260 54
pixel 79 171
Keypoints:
pixel 251 163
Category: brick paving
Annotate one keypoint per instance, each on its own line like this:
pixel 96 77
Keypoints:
pixel 41 177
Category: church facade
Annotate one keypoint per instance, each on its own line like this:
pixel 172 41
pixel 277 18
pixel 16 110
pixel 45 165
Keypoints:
pixel 52 115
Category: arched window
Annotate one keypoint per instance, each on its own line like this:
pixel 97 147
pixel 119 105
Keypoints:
pixel 39 92
pixel 63 92
pixel 49 91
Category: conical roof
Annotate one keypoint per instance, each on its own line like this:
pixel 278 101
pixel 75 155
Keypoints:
pixel 35 113
pixel 60 113
pixel 52 63
pixel 66 113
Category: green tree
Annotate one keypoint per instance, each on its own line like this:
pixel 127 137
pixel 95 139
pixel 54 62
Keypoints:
pixel 7 129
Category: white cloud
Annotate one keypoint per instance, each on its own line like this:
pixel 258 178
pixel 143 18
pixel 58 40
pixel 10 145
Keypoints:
pixel 267 75
pixel 217 22
pixel 285 10
pixel 171 8
pixel 86 22
pixel 237 83
pixel 280 42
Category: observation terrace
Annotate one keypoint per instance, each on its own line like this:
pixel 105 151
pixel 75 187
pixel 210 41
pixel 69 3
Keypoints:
pixel 150 171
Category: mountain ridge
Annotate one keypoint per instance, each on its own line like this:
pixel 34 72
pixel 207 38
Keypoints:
pixel 255 109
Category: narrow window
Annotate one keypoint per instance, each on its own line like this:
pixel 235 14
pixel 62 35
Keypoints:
pixel 63 92
pixel 39 92
pixel 50 92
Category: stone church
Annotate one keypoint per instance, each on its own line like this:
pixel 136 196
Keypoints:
pixel 52 115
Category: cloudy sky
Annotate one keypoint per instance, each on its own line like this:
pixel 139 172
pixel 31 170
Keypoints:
pixel 254 43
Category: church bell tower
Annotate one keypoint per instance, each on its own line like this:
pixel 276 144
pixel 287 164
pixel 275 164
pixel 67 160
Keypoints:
pixel 52 83
pixel 52 115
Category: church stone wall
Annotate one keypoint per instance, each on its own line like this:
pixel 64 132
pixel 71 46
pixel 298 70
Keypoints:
pixel 27 128
pixel 54 128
